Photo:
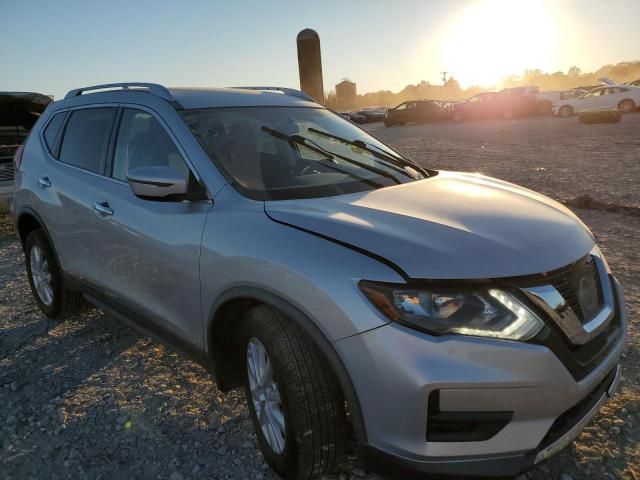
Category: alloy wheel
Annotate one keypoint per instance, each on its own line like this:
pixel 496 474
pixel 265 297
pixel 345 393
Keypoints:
pixel 626 106
pixel 41 275
pixel 265 395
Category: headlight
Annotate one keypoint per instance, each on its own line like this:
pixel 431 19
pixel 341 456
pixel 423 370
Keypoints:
pixel 483 312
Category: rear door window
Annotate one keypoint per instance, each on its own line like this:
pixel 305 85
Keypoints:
pixel 86 138
pixel 51 131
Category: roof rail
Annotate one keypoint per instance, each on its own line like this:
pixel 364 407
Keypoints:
pixel 287 91
pixel 154 88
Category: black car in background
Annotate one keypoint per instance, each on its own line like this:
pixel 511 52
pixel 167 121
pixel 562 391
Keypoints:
pixel 373 114
pixel 366 115
pixel 417 111
pixel 18 113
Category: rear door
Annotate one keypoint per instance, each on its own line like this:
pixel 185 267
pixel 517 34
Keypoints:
pixel 412 112
pixel 148 251
pixel 591 101
pixel 64 183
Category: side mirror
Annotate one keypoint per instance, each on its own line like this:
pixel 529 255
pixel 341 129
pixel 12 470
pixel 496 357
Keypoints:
pixel 157 182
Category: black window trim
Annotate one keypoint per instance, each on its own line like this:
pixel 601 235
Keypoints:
pixel 57 141
pixel 63 132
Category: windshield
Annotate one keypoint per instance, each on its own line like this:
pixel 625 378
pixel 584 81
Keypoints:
pixel 279 153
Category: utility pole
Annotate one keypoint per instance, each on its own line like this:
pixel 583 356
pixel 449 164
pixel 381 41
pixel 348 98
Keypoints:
pixel 444 77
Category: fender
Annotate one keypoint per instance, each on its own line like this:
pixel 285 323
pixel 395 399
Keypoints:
pixel 311 328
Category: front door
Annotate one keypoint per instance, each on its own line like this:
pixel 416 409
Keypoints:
pixel 148 251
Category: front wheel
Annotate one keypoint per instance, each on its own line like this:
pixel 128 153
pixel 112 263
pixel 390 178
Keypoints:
pixel 296 406
pixel 566 111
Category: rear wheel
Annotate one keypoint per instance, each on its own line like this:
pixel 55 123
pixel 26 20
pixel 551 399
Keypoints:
pixel 296 405
pixel 627 106
pixel 45 279
pixel 566 111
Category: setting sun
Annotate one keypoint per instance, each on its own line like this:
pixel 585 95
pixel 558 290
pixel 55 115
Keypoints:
pixel 491 39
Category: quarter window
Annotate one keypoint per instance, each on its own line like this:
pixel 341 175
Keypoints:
pixel 143 142
pixel 86 138
pixel 52 130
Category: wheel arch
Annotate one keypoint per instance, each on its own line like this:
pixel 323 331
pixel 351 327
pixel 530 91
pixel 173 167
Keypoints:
pixel 26 222
pixel 628 99
pixel 228 310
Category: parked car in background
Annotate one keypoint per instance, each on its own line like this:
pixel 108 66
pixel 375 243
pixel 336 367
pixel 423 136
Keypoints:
pixel 356 117
pixel 545 100
pixel 417 111
pixel 488 105
pixel 625 98
pixel 19 111
pixel 373 114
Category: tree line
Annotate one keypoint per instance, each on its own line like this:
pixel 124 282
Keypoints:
pixel 451 90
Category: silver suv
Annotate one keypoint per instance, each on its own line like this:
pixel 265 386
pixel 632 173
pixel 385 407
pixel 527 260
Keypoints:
pixel 452 323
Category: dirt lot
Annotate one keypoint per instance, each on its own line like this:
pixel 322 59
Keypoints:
pixel 90 398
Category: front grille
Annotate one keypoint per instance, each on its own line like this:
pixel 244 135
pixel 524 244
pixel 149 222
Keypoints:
pixel 555 297
pixel 580 360
pixel 568 284
pixel 569 294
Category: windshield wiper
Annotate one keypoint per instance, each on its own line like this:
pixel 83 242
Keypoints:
pixel 311 145
pixel 376 151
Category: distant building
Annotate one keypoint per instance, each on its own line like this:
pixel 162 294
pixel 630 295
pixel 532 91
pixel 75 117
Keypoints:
pixel 346 94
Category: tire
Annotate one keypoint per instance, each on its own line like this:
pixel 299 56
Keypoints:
pixel 566 111
pixel 627 106
pixel 61 303
pixel 307 399
pixel 599 116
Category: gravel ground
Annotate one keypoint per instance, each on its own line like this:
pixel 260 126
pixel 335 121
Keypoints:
pixel 558 157
pixel 90 398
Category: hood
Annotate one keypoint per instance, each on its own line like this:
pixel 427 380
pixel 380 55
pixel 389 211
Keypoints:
pixel 450 226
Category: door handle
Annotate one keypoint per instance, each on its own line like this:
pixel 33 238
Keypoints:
pixel 44 182
pixel 103 208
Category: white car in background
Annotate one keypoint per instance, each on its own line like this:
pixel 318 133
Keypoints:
pixel 625 98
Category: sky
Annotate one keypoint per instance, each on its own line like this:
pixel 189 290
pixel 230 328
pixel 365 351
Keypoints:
pixel 53 46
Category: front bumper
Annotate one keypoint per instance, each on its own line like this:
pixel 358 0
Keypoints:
pixel 395 369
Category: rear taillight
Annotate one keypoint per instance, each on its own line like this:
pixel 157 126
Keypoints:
pixel 17 157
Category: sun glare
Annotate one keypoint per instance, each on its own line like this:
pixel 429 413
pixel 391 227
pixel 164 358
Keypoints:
pixel 490 39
